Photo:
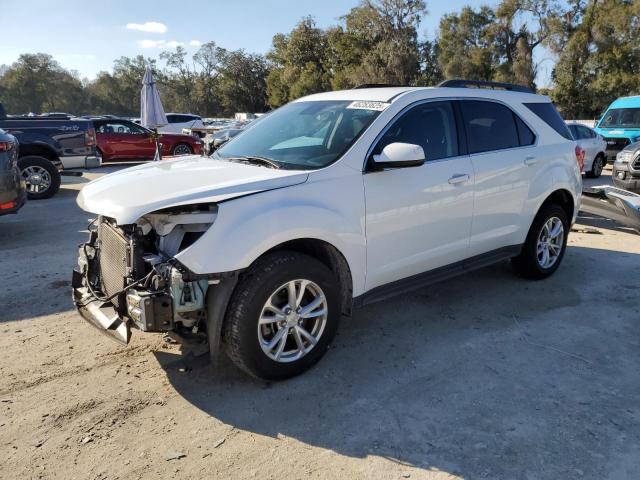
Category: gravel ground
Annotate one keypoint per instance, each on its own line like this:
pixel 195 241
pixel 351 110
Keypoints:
pixel 482 376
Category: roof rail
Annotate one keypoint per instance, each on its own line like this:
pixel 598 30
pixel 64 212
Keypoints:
pixel 376 85
pixel 461 83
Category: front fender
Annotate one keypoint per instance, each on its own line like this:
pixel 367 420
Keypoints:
pixel 247 227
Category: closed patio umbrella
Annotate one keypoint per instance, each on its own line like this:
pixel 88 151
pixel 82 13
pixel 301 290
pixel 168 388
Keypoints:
pixel 151 112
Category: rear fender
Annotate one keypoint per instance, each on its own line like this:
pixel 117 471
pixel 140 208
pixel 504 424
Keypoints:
pixel 560 174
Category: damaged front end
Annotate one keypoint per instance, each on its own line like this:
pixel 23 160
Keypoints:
pixel 127 275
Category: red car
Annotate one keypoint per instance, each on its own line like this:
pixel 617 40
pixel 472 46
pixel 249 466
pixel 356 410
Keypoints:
pixel 122 140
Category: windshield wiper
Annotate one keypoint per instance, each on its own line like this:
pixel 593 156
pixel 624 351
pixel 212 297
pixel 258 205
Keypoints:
pixel 255 160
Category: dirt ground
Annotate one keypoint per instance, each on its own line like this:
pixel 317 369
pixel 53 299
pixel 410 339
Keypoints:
pixel 484 376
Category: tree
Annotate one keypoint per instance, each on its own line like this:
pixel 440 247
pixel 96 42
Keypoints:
pixel 243 86
pixel 430 71
pixel 118 93
pixel 465 44
pixel 37 83
pixel 299 63
pixel 598 55
pixel 378 43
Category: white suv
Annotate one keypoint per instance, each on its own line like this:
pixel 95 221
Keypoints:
pixel 332 201
pixel 178 121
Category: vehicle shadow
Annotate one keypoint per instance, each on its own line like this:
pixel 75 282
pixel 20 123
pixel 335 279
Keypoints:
pixel 485 375
pixel 589 220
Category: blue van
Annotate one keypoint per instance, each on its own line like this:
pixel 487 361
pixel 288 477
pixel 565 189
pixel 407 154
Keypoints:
pixel 620 125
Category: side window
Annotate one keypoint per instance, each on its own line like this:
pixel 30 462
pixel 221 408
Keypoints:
pixel 431 125
pixel 172 118
pixel 548 113
pixel 585 133
pixel 490 126
pixel 526 136
pixel 574 132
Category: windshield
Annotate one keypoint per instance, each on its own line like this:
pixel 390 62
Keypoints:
pixel 622 118
pixel 304 135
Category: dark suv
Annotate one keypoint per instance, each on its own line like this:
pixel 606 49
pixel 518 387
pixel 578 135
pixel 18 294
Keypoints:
pixel 12 189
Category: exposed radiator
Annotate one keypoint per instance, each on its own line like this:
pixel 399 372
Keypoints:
pixel 115 261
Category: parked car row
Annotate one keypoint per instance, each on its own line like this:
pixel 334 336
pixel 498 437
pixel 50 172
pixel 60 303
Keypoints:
pixel 55 145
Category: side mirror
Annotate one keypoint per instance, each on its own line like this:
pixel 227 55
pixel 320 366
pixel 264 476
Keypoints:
pixel 399 155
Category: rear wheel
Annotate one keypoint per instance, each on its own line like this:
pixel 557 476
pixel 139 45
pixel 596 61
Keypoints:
pixel 545 245
pixel 182 149
pixel 596 167
pixel 282 316
pixel 40 175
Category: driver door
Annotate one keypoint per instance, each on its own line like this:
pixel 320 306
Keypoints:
pixel 419 218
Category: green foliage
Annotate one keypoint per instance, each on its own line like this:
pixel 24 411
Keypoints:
pixel 596 43
pixel 36 82
pixel 599 56
pixel 299 63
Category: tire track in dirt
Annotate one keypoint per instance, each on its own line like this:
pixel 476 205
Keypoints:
pixel 103 360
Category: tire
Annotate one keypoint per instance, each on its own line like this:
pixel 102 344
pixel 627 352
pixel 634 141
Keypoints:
pixel 41 176
pixel 596 167
pixel 247 341
pixel 181 149
pixel 528 263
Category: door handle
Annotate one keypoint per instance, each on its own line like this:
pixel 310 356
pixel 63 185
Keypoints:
pixel 530 160
pixel 459 178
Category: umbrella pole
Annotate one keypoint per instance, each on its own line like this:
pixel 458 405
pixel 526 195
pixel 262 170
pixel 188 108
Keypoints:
pixel 156 138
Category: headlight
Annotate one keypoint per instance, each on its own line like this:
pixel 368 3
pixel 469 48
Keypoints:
pixel 624 156
pixel 177 228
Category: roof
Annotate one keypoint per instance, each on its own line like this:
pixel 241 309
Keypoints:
pixel 626 102
pixel 388 94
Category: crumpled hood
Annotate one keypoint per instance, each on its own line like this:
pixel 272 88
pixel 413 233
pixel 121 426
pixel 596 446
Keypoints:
pixel 128 194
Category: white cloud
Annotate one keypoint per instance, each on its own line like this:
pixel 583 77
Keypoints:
pixel 160 43
pixel 195 43
pixel 151 27
pixel 151 43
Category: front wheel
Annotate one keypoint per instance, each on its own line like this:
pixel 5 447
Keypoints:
pixel 40 175
pixel 282 316
pixel 545 245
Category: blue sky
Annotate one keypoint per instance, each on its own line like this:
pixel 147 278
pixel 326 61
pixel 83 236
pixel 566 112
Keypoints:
pixel 88 36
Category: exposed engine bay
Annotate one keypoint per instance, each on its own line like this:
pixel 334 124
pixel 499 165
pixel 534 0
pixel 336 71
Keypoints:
pixel 131 270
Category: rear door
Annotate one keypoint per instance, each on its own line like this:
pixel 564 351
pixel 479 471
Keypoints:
pixel 504 159
pixel 419 218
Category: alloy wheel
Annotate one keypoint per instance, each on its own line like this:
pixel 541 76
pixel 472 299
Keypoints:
pixel 182 150
pixel 550 242
pixel 38 180
pixel 292 320
pixel 598 167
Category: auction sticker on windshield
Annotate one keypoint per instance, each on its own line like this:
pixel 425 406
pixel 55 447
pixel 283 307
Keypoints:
pixel 362 105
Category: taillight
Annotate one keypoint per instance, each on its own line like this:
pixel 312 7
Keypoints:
pixel 6 146
pixel 90 137
pixel 580 157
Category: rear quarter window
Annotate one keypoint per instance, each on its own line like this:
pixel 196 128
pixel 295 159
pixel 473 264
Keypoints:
pixel 489 125
pixel 548 113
